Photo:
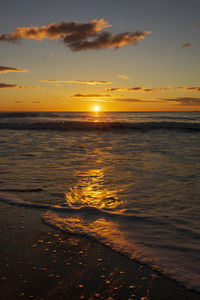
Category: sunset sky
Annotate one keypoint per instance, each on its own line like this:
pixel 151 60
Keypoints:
pixel 131 55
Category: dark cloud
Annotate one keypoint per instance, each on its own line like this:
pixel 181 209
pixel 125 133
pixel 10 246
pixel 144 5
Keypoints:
pixel 186 45
pixel 77 36
pixel 10 69
pixel 13 86
pixel 88 82
pixel 106 40
pixel 187 101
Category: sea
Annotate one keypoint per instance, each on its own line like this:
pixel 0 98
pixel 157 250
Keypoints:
pixel 130 180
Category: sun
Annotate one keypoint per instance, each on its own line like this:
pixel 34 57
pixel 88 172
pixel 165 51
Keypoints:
pixel 96 108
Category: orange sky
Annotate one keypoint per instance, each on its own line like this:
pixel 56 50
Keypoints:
pixel 120 60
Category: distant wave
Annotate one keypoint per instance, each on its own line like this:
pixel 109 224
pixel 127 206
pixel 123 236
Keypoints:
pixel 19 115
pixel 171 117
pixel 37 190
pixel 99 126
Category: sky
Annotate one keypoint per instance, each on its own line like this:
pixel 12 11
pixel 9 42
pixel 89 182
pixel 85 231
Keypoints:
pixel 130 55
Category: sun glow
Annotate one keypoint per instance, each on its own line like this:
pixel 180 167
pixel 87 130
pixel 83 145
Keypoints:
pixel 96 108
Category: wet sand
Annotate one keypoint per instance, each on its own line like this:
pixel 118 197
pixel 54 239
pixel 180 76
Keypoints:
pixel 39 262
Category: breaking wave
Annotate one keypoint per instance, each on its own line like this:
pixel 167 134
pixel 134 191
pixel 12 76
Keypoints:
pixel 115 230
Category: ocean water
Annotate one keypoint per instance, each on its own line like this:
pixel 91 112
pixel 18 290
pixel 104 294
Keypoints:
pixel 129 180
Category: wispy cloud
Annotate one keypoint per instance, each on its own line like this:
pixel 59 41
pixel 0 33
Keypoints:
pixel 186 45
pixel 88 82
pixel 77 36
pixel 123 77
pixel 188 88
pixel 109 98
pixel 4 69
pixel 12 86
pixel 153 90
pixel 130 100
pixel 186 101
pixel 90 96
pixel 137 89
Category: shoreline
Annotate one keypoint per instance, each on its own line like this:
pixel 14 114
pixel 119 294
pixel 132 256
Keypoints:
pixel 40 262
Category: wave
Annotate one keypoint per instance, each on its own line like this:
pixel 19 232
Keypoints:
pixel 100 126
pixel 124 233
pixel 37 190
pixel 20 115
pixel 91 211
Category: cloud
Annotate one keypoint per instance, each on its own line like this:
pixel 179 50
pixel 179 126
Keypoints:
pixel 10 69
pixel 35 87
pixel 128 100
pixel 123 89
pixel 186 45
pixel 109 98
pixel 136 89
pixel 91 96
pixel 107 40
pixel 132 100
pixel 186 101
pixel 88 82
pixel 54 31
pixel 153 90
pixel 123 77
pixel 77 36
pixel 13 86
pixel 188 88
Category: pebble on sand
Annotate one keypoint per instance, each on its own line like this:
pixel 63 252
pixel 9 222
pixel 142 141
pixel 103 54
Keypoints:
pixel 131 287
pixel 21 295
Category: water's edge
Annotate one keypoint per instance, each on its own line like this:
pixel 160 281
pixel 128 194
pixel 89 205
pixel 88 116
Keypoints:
pixel 11 199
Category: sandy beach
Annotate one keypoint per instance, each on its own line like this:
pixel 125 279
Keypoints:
pixel 39 262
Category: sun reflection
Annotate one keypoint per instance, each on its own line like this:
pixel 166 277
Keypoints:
pixel 91 190
pixel 101 228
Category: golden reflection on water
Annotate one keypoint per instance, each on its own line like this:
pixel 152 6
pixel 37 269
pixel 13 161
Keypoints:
pixel 91 190
pixel 96 117
pixel 100 228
